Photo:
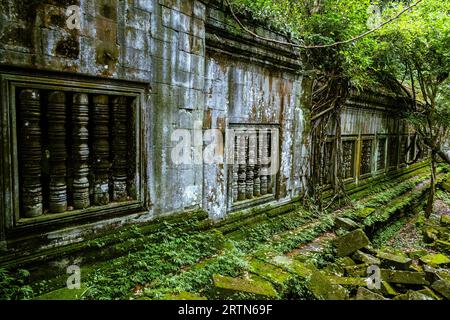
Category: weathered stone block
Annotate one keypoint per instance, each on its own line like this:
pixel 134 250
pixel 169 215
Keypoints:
pixel 359 270
pixel 442 287
pixel 227 286
pixel 347 281
pixel 435 260
pixel 366 258
pixel 364 213
pixel 351 242
pixel 315 281
pixel 346 224
pixel 413 295
pixel 404 277
pixel 365 294
pixel 269 272
pixel 394 260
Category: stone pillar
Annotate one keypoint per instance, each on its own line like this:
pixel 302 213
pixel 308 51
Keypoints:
pixel 80 118
pixel 235 168
pixel 242 172
pixel 252 159
pixel 264 161
pixel 31 150
pixel 119 148
pixel 56 118
pixel 100 149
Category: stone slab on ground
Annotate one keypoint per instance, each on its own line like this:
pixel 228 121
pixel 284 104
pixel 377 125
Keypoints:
pixel 314 280
pixel 366 258
pixel 346 224
pixel 225 287
pixel 394 260
pixel 351 242
pixel 435 260
pixel 364 213
pixel 366 294
pixel 359 270
pixel 430 293
pixel 413 295
pixel 269 272
pixel 404 277
pixel 347 281
pixel 442 287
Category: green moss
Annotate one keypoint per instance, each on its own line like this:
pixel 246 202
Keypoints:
pixel 269 272
pixel 435 260
pixel 64 294
pixel 182 296
pixel 227 287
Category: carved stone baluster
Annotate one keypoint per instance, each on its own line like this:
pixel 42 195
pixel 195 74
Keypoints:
pixel 31 150
pixel 235 170
pixel 56 118
pixel 80 118
pixel 257 172
pixel 264 149
pixel 251 163
pixel 119 148
pixel 242 167
pixel 270 180
pixel 101 150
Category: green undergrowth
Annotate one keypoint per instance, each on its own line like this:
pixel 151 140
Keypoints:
pixel 117 278
pixel 181 255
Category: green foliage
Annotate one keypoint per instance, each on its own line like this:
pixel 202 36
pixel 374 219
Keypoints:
pixel 14 286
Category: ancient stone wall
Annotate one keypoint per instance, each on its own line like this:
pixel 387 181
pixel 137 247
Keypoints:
pixel 191 68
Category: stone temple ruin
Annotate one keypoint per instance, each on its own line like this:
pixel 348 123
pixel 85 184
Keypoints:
pixel 89 117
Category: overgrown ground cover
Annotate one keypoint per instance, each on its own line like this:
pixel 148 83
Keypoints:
pixel 176 262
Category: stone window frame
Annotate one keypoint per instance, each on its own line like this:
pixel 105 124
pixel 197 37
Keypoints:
pixel 10 81
pixel 372 156
pixel 355 154
pixel 378 137
pixel 245 204
pixel 390 167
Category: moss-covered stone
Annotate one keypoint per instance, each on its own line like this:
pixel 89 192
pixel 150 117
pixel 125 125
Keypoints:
pixel 366 258
pixel 442 287
pixel 428 292
pixel 269 272
pixel 417 254
pixel 398 261
pixel 365 212
pixel 351 242
pixel 413 295
pixel 404 277
pixel 435 260
pixel 226 287
pixel 359 270
pixel 314 280
pixel 388 290
pixel 347 281
pixel 346 224
pixel 365 294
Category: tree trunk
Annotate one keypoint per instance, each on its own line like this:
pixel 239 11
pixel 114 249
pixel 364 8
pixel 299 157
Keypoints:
pixel 430 204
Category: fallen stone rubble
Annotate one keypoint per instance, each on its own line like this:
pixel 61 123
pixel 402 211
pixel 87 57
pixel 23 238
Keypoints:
pixel 416 275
